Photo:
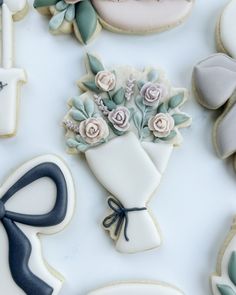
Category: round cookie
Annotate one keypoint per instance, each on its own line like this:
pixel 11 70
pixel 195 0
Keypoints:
pixel 138 288
pixel 86 18
pixel 127 122
pixel 38 198
pixel 226 30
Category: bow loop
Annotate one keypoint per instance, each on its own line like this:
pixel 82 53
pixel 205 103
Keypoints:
pixel 119 216
pixel 20 247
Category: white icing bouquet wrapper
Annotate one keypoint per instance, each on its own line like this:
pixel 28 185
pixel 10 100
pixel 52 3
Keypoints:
pixel 126 170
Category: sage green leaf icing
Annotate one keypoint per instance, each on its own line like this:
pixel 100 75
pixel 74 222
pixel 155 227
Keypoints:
pixel 57 20
pixel 70 13
pixel 95 64
pixel 146 132
pixel 91 86
pixel 78 103
pixel 43 3
pixel 152 75
pixel 119 96
pixel 82 147
pixel 140 84
pixel 89 107
pixel 162 108
pixel 86 19
pixel 77 115
pixel 61 5
pixel 109 103
pixel 71 143
pixel 225 290
pixel 232 268
pixel 170 136
pixel 137 120
pixel 176 100
pixel 180 119
pixel 139 103
pixel 115 131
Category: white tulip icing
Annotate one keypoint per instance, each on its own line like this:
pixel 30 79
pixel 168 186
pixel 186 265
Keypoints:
pixel 227 28
pixel 138 289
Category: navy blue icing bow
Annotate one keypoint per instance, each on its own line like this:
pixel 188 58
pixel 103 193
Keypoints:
pixel 19 246
pixel 119 216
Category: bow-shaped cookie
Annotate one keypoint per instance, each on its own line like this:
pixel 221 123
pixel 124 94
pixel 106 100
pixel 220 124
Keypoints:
pixel 43 177
pixel 214 81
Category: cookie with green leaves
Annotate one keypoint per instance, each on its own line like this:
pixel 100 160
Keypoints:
pixel 86 17
pixel 126 122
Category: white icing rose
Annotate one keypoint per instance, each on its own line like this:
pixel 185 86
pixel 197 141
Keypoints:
pixel 153 93
pixel 161 125
pixel 105 80
pixel 119 118
pixel 93 130
pixel 72 1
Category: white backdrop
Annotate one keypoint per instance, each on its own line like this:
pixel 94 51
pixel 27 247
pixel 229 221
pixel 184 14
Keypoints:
pixel 196 200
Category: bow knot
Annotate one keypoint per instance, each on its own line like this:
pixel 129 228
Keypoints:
pixel 2 210
pixel 119 216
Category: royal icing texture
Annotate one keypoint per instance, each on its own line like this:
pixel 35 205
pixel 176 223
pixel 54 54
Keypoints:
pixel 215 83
pixel 224 280
pixel 127 122
pixel 86 18
pixel 227 29
pixel 37 199
pixel 10 77
pixel 138 289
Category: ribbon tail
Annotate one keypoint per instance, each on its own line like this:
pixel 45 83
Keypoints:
pixel 19 254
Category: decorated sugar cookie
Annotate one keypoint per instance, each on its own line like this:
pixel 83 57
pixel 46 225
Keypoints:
pixel 86 18
pixel 138 289
pixel 214 81
pixel 127 122
pixel 224 280
pixel 10 77
pixel 226 30
pixel 38 198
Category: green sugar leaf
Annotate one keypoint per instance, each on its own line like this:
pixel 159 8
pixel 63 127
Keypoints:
pixel 119 96
pixel 43 3
pixel 162 108
pixel 225 290
pixel 57 20
pixel 176 100
pixel 71 143
pixel 180 119
pixel 89 107
pixel 171 136
pixel 95 64
pixel 77 115
pixel 232 268
pixel 86 20
pixel 91 85
pixel 109 103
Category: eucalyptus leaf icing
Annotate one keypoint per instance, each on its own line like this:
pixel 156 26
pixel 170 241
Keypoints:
pixel 129 119
pixel 85 18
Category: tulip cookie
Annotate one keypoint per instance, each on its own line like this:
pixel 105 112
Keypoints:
pixel 10 77
pixel 36 199
pixel 138 289
pixel 226 30
pixel 127 122
pixel 224 280
pixel 86 17
pixel 214 81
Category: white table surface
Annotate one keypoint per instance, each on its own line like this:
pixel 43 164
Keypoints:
pixel 196 200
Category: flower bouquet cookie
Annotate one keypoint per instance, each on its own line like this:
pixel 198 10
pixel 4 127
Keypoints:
pixel 138 288
pixel 10 77
pixel 38 198
pixel 86 17
pixel 214 81
pixel 127 122
pixel 224 280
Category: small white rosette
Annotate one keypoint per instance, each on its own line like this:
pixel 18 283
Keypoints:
pixel 127 122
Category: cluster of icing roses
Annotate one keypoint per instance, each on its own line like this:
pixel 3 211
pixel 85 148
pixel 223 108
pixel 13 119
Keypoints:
pixel 107 112
pixel 68 16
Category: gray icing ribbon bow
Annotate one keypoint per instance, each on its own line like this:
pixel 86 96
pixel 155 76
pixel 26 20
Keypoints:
pixel 214 81
pixel 19 246
pixel 119 216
